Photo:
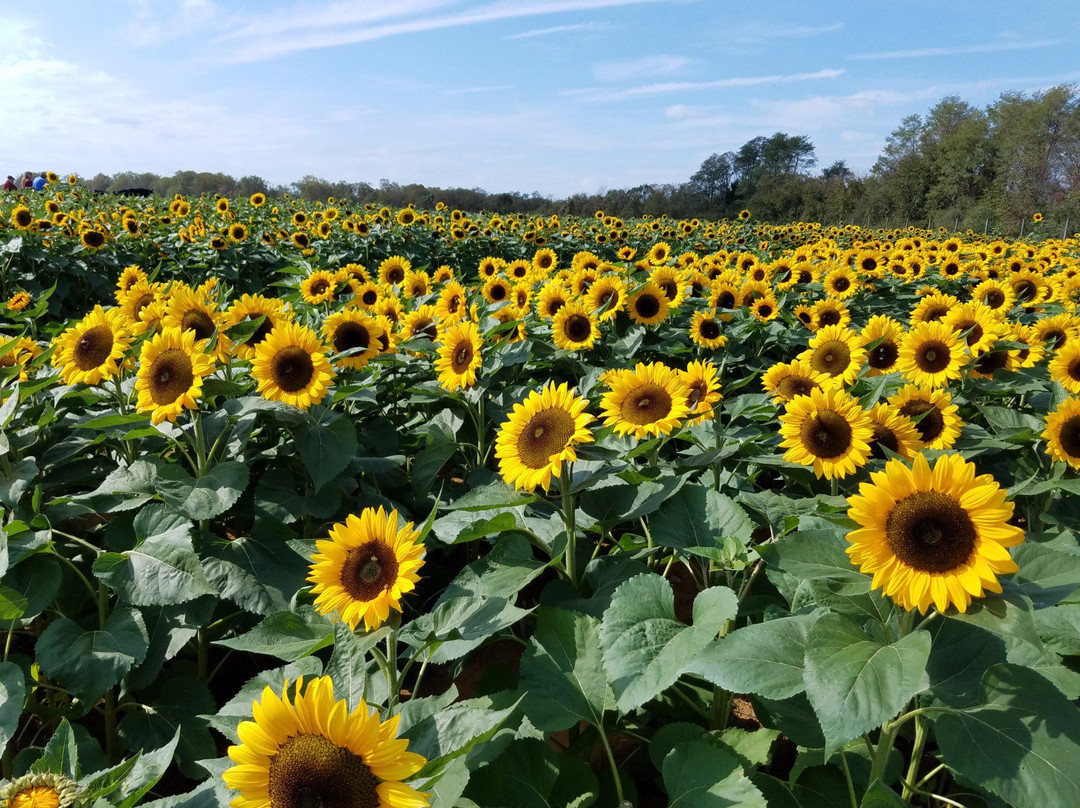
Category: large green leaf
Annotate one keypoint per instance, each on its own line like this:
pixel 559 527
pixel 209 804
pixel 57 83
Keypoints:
pixel 162 570
pixel 460 624
pixel 88 663
pixel 12 696
pixel 563 672
pixel 697 520
pixel 613 501
pixel 452 731
pixel 326 450
pixel 762 658
pixel 798 564
pixel 528 774
pixel 855 682
pixel 207 497
pixel 699 774
pixel 646 647
pixel 1047 575
pixel 1020 744
pixel 286 635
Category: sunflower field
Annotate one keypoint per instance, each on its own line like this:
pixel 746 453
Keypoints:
pixel 313 505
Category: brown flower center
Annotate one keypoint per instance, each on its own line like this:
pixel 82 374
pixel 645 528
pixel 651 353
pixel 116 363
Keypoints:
pixel 319 286
pixel 93 348
pixel 991 362
pixel 994 299
pixel 647 306
pixel 369 570
pixel 292 368
pixel 883 436
pixel 930 532
pixel 349 335
pixel 932 357
pixel 831 357
pixel 826 434
pixel 463 355
pixel 884 355
pixel 646 404
pixel 547 433
pixel 310 771
pixel 1070 436
pixel 931 424
pixel 725 300
pixel 577 328
pixel 709 329
pixel 171 375
pixel 791 386
pixel 198 321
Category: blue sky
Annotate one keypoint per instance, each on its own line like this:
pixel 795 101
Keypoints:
pixel 555 96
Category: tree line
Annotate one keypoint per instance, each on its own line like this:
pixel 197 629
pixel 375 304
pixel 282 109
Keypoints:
pixel 957 166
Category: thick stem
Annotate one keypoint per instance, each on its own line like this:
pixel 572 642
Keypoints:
pixel 569 520
pixel 884 747
pixel 916 757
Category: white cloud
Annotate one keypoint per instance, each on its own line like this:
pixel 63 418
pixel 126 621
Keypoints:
pixel 157 22
pixel 644 67
pixel 955 50
pixel 561 29
pixel 271 36
pixel 592 94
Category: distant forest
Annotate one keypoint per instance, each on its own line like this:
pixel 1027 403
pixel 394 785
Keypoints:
pixel 957 166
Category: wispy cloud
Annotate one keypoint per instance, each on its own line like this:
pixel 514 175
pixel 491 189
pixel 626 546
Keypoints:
pixel 759 33
pixel 561 29
pixel 955 50
pixel 350 23
pixel 668 87
pixel 628 69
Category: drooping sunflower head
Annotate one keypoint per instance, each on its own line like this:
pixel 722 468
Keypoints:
pixel 574 327
pixel 931 354
pixel 932 537
pixel 364 568
pixel 291 366
pixel 651 400
pixel 459 358
pixel 19 301
pixel 540 434
pixel 39 790
pixel 1062 432
pixel 836 351
pixel 92 350
pixel 703 391
pixel 311 750
pixel 171 369
pixel 827 430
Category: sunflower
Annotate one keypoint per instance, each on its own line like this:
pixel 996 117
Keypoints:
pixel 190 311
pixel 21 217
pixel 39 790
pixel 837 351
pixel 540 434
pixel 92 351
pixel 237 232
pixel 496 290
pixel 981 326
pixel 129 277
pixel 1065 366
pixel 301 240
pixel 318 287
pixel 649 305
pixel 416 284
pixel 553 296
pixel 367 294
pixel 574 327
pixel 933 412
pixel 765 308
pixel 705 330
pixel 290 365
pixel 830 312
pixel 1062 432
pixel 314 751
pixel 459 357
pixel 451 305
pixel 647 401
pixel 222 205
pixel 19 301
pixel 92 239
pixel 884 333
pixel 659 253
pixel 252 307
pixel 932 537
pixel 932 307
pixel 786 381
pixel 364 568
pixel 931 354
pixel 841 283
pixel 893 431
pixel 544 261
pixel 257 200
pixel 703 383
pixel 172 366
pixel 993 294
pixel 827 430
pixel 1055 331
pixel 353 329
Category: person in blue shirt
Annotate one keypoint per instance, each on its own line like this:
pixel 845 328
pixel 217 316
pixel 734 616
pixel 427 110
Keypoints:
pixel 40 182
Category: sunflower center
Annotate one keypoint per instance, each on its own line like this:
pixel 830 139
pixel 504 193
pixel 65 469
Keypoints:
pixel 792 386
pixel 826 434
pixel 647 306
pixel 698 391
pixel 351 335
pixel 603 298
pixel 577 328
pixel 725 300
pixel 647 404
pixel 832 358
pixel 141 304
pixel 264 329
pixel 883 356
pixel 292 368
pixel 370 297
pixel 319 287
pixel 1055 337
pixel 934 357
pixel 369 570
pixel 198 321
pixel 764 310
pixel 930 425
pixel 425 328
pixel 310 771
pixel 989 363
pixel 395 275
pixel 93 347
pixel 670 290
pixel 547 433
pixel 498 292
pixel 995 298
pixel 462 357
pixel 170 376
pixel 931 532
pixel 829 317
pixel 453 304
pixel 883 436
pixel 709 329
pixel 1074 369
pixel 841 284
pixel 1025 290
pixel 935 312
pixel 554 305
pixel 1070 436
pixel 975 334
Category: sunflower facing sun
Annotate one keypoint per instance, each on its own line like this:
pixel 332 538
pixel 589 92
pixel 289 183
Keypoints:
pixel 92 350
pixel 290 365
pixel 311 750
pixel 172 367
pixel 827 430
pixel 932 537
pixel 648 401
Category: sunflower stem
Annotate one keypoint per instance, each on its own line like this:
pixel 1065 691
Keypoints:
pixel 916 757
pixel 850 782
pixel 614 766
pixel 884 747
pixel 569 519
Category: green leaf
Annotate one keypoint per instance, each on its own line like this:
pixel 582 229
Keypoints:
pixel 348 664
pixel 504 571
pixel 88 663
pixel 959 657
pixel 453 731
pixel 803 560
pixel 460 624
pixel 209 496
pixel 326 450
pixel 496 494
pixel 763 658
pixel 529 774
pixel 856 683
pixel 35 581
pixel 1020 744
pixel 699 774
pixel 286 635
pixel 880 795
pixel 161 571
pixel 645 647
pixel 1047 575
pixel 61 755
pixel 563 672
pixel 12 696
pixel 697 519
pixel 144 775
pixel 613 501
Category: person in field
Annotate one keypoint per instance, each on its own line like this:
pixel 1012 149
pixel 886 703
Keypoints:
pixel 40 182
pixel 9 184
pixel 28 180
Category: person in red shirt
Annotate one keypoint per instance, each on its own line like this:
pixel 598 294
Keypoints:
pixel 28 180
pixel 9 185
